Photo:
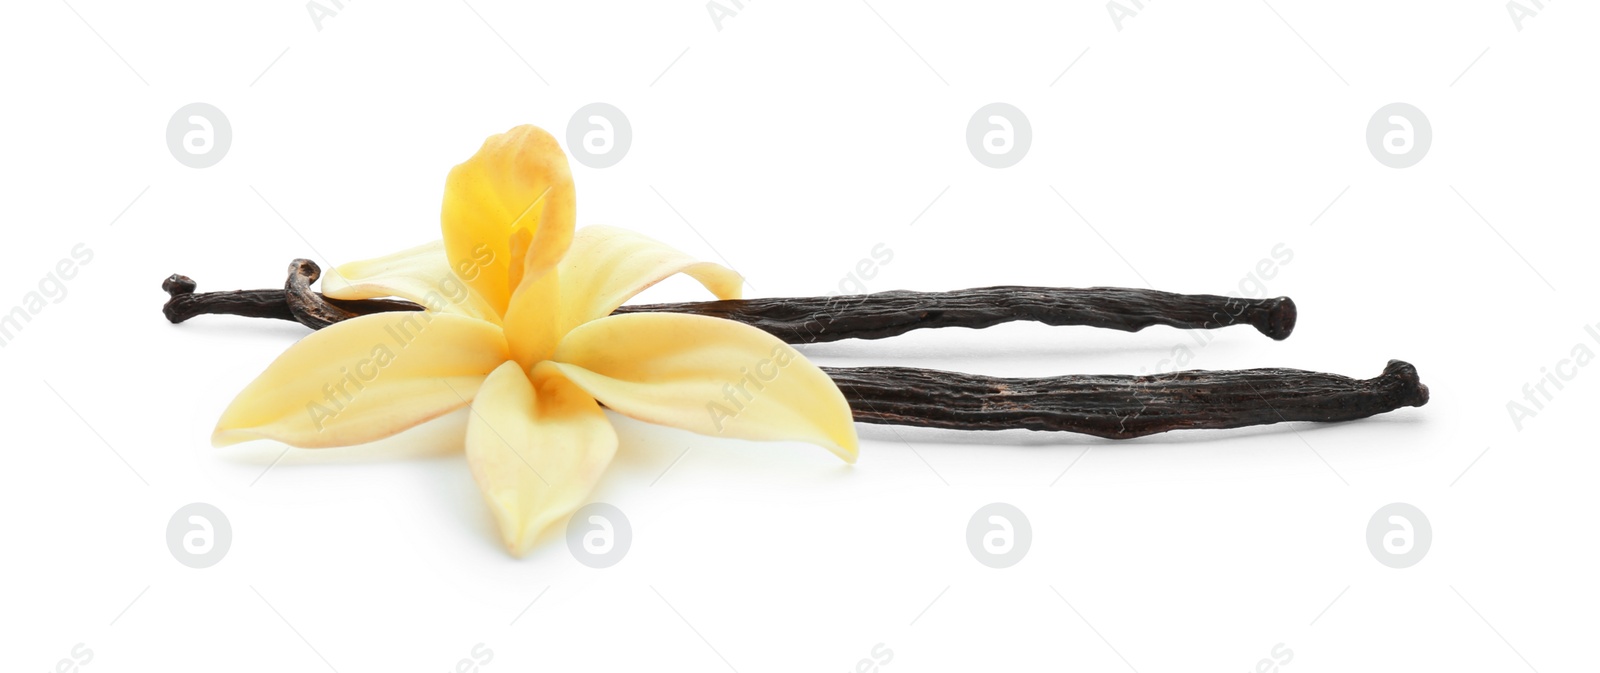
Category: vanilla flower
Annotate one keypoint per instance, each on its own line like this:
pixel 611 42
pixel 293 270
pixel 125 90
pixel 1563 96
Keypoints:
pixel 519 328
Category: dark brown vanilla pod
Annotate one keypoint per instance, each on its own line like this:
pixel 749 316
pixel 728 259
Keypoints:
pixel 1121 407
pixel 798 320
pixel 307 307
pixel 885 314
pixel 183 303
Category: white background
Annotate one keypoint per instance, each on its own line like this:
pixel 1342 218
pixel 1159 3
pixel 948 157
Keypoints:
pixel 790 142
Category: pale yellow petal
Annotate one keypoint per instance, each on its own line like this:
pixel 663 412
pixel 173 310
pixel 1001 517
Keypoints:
pixel 421 274
pixel 607 266
pixel 536 449
pixel 518 180
pixel 707 375
pixel 365 379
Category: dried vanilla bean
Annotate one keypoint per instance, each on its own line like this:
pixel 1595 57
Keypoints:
pixel 184 303
pixel 885 314
pixel 1122 407
pixel 820 319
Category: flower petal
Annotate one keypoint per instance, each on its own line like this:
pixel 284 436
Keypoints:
pixel 707 375
pixel 532 329
pixel 421 274
pixel 536 449
pixel 518 180
pixel 365 379
pixel 607 266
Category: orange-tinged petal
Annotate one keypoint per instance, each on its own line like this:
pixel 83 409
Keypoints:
pixel 607 266
pixel 518 180
pixel 553 237
pixel 707 375
pixel 536 447
pixel 365 379
pixel 421 274
pixel 532 325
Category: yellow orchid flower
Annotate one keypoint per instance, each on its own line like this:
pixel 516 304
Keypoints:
pixel 519 328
